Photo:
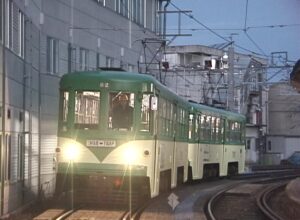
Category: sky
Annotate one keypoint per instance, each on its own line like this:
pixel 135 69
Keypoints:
pixel 262 35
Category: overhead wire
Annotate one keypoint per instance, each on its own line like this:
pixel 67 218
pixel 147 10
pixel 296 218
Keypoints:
pixel 215 33
pixel 247 35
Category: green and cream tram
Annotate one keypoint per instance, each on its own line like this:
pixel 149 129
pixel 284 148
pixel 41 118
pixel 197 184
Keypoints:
pixel 146 146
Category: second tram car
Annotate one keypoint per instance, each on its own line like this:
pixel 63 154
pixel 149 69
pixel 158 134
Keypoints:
pixel 123 132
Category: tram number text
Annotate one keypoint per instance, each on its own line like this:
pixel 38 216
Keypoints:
pixel 100 143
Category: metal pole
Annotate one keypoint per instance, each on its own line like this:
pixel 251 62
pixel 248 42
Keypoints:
pixel 39 120
pixel 3 111
pixel 230 93
pixel 165 19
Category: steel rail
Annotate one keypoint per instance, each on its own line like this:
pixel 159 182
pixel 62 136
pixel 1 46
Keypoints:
pixel 262 201
pixel 213 200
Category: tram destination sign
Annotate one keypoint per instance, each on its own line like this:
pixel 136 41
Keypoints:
pixel 100 143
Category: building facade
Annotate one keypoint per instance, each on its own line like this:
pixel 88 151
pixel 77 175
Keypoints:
pixel 39 42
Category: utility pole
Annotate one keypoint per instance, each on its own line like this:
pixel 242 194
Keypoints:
pixel 230 93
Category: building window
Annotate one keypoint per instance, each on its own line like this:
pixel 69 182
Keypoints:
pixel 248 144
pixel 8 157
pixel 269 145
pixel 9 23
pixel 130 68
pixel 98 61
pixel 52 55
pixel 21 34
pixel 159 18
pixel 21 159
pixel 109 62
pixel 71 58
pixel 84 59
pixel 101 2
pixel 138 11
pixel 122 7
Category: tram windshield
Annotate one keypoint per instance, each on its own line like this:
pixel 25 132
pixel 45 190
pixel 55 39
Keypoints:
pixel 86 109
pixel 121 111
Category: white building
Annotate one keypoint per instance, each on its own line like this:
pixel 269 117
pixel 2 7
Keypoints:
pixel 283 133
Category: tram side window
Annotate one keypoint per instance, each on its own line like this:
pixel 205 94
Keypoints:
pixel 228 130
pixel 213 129
pixel 202 127
pixel 234 132
pixel 65 107
pixel 207 135
pixel 145 113
pixel 197 126
pixel 218 130
pixel 165 117
pixel 181 126
pixel 87 105
pixel 191 127
pixel 221 130
pixel 121 111
pixel 168 119
pixel 237 126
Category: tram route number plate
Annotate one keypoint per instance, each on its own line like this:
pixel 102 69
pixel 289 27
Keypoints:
pixel 100 143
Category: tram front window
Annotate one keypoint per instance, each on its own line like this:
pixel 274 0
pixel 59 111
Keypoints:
pixel 87 109
pixel 121 111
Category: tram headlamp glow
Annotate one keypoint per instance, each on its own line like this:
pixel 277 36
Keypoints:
pixel 130 156
pixel 71 151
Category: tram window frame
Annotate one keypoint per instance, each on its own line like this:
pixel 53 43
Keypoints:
pixel 94 116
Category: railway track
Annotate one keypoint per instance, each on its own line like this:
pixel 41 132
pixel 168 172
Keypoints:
pixel 263 201
pixel 257 181
pixel 79 214
pixel 247 200
pixel 92 213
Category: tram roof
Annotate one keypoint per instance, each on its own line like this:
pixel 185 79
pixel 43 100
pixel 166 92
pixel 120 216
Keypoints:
pixel 217 112
pixel 105 75
pixel 91 77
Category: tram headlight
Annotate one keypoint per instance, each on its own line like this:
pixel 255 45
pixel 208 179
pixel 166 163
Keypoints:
pixel 130 156
pixel 71 151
